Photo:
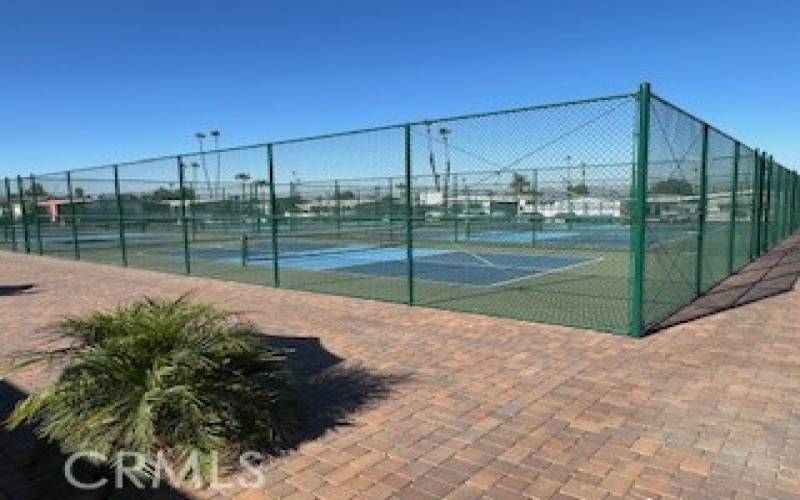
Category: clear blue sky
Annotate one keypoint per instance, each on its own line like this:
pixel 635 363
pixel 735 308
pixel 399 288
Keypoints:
pixel 92 82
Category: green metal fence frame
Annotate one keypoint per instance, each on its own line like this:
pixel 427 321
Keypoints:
pixel 26 237
pixel 11 215
pixel 774 210
pixel 639 187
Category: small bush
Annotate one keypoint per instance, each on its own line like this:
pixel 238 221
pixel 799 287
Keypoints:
pixel 174 376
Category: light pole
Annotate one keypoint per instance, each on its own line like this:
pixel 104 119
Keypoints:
pixel 432 157
pixel 194 166
pixel 243 177
pixel 568 159
pixel 200 137
pixel 215 135
pixel 445 132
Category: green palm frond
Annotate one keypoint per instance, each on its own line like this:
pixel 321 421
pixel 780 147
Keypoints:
pixel 175 376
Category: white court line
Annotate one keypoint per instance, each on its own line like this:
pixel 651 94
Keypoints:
pixel 481 259
pixel 543 273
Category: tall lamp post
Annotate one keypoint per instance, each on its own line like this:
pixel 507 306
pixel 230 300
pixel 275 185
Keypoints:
pixel 194 166
pixel 445 132
pixel 215 135
pixel 243 177
pixel 200 137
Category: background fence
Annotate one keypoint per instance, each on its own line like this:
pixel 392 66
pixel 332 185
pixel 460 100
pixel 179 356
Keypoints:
pixel 607 213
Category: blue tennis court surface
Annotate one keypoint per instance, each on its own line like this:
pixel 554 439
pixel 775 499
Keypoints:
pixel 468 268
pixel 605 235
pixel 444 266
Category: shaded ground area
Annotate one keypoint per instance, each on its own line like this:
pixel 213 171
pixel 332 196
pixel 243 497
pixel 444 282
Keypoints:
pixel 773 274
pixel 31 468
pixel 15 289
pixel 496 408
pixel 328 392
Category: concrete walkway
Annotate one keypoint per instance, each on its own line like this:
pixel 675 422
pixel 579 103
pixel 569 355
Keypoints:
pixel 486 407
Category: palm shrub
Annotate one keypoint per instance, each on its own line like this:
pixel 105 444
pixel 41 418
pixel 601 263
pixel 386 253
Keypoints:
pixel 170 376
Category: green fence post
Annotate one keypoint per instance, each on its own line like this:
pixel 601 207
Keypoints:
pixel 187 258
pixel 762 215
pixel 192 198
pixel 639 213
pixel 26 237
pixel 734 189
pixel 409 218
pixel 390 212
pixel 773 202
pixel 792 189
pixel 767 201
pixel 252 193
pixel 761 195
pixel 701 212
pixel 244 250
pixel 755 190
pixel 779 206
pixel 534 194
pixel 36 219
pixel 791 202
pixel 257 206
pixel 782 227
pixel 273 214
pixel 787 196
pixel 120 217
pixel 74 218
pixel 11 216
pixel 787 204
pixel 785 201
pixel 794 202
pixel 787 184
pixel 337 208
pixel 776 225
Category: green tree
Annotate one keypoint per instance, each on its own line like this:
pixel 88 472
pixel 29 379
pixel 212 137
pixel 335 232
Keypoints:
pixel 673 186
pixel 580 189
pixel 36 190
pixel 164 194
pixel 346 195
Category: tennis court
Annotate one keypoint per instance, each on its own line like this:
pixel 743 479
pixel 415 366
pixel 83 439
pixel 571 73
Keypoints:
pixel 443 266
pixel 609 213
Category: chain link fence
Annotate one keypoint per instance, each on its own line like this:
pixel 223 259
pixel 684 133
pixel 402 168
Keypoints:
pixel 711 205
pixel 608 213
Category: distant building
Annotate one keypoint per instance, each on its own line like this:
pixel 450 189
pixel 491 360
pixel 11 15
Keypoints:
pixel 583 206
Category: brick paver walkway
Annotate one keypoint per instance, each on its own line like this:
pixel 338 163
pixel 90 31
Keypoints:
pixel 497 408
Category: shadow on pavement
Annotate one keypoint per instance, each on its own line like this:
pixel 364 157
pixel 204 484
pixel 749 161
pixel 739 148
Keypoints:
pixel 774 273
pixel 15 289
pixel 329 392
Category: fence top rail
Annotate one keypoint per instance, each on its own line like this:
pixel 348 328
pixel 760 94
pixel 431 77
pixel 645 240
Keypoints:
pixel 332 135
pixel 427 121
pixel 700 120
